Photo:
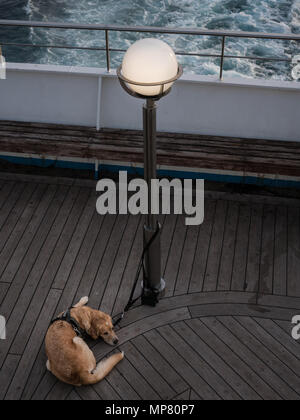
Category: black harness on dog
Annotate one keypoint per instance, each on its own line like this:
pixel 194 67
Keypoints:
pixel 66 317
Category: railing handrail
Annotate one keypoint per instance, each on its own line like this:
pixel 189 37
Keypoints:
pixel 152 29
pixel 224 34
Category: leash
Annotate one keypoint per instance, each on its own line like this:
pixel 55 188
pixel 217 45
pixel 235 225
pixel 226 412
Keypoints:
pixel 147 300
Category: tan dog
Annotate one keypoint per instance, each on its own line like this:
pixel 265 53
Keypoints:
pixel 69 357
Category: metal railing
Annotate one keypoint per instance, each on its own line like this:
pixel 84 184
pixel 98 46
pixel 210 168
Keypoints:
pixel 224 35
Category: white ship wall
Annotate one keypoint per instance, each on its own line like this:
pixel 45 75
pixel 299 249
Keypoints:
pixel 198 104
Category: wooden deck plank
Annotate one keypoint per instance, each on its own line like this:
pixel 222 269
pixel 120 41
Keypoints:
pixel 293 252
pixel 115 280
pixel 137 381
pixel 3 290
pixel 280 252
pixel 60 391
pixel 16 213
pixel 241 250
pixel 130 271
pixel 75 244
pixel 267 251
pixel 215 251
pixel 106 391
pixel 287 388
pixel 181 366
pixel 7 373
pixel 21 290
pixel 237 309
pixel 174 258
pixel 263 379
pixel 291 363
pixel 12 242
pixel 247 155
pixel 157 382
pixel 73 396
pixel 5 191
pixel 227 258
pixel 123 388
pixel 204 240
pixel 80 263
pixel 177 337
pixel 40 282
pixel 108 260
pixel 186 264
pixel 254 252
pixel 95 261
pixel 249 382
pixel 31 351
pixel 88 394
pixel 10 203
pixel 35 377
pixel 9 268
pixel 160 364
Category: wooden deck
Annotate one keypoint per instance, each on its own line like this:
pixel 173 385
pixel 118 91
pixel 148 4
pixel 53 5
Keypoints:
pixel 246 156
pixel 223 331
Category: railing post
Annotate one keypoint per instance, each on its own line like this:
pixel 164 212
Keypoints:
pixel 222 57
pixel 107 51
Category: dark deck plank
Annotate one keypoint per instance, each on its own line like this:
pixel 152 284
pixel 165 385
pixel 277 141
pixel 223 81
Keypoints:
pixel 15 213
pixel 31 351
pixel 255 249
pixel 177 337
pixel 227 257
pixel 280 252
pixel 204 241
pixel 289 385
pixel 293 252
pixel 160 364
pixel 115 280
pixel 9 268
pixel 241 250
pixel 262 379
pixel 187 261
pixel 267 251
pixel 12 242
pixel 75 244
pixel 215 251
pixel 181 366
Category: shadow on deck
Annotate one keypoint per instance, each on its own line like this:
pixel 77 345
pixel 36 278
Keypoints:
pixel 223 331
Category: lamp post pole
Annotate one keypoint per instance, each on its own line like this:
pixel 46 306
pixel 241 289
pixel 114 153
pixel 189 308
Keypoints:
pixel 148 72
pixel 153 283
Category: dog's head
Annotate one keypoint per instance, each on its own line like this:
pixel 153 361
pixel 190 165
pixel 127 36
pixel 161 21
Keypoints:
pixel 101 326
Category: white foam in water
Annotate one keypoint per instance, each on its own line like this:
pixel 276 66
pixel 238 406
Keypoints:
pixel 281 16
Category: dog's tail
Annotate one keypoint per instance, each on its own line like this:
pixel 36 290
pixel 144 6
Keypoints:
pixel 102 370
pixel 83 301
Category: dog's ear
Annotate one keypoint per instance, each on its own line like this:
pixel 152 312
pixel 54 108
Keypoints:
pixel 93 331
pixel 96 324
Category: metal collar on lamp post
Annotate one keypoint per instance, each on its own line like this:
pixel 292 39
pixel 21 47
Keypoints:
pixel 125 82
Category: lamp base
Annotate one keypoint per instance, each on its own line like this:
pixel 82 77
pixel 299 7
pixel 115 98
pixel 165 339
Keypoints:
pixel 151 297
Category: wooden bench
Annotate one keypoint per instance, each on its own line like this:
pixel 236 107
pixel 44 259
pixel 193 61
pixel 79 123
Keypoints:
pixel 176 150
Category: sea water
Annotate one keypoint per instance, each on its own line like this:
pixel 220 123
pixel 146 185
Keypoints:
pixel 279 16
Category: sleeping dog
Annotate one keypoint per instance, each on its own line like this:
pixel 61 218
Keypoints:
pixel 69 357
